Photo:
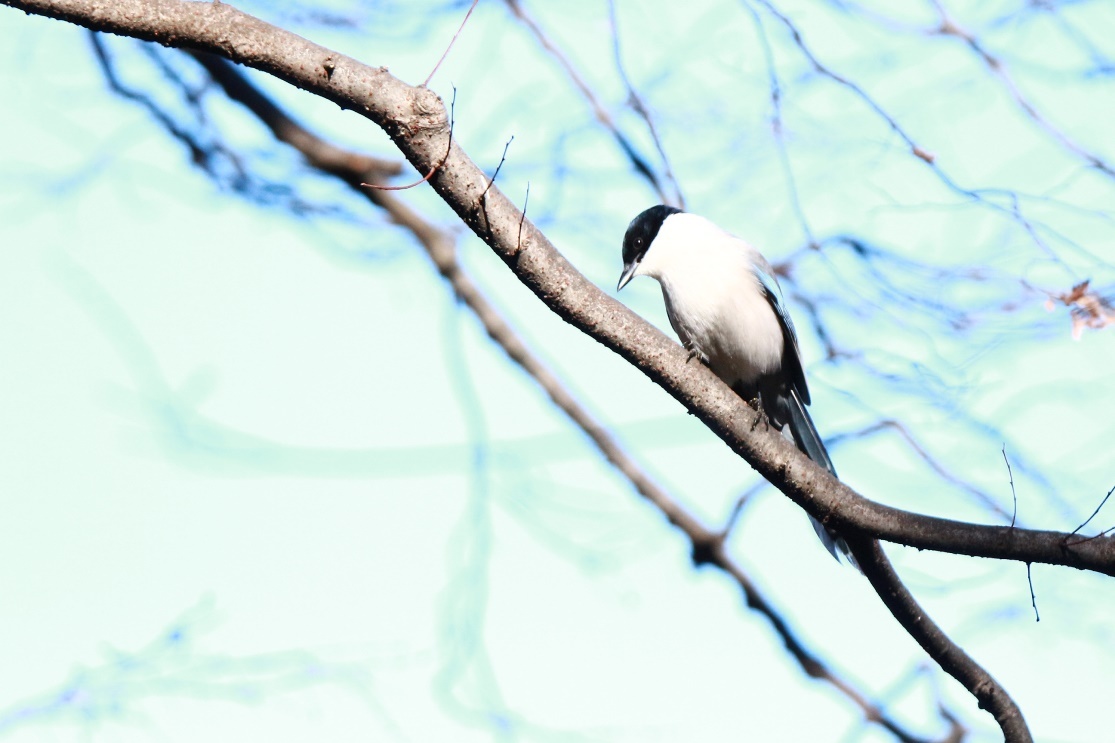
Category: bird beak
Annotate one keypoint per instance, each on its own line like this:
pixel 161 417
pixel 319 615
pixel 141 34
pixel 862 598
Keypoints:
pixel 627 275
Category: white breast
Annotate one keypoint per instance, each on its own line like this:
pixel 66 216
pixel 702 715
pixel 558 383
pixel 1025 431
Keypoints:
pixel 715 301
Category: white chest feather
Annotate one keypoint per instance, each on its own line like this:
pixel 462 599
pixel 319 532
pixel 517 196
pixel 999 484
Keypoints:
pixel 714 300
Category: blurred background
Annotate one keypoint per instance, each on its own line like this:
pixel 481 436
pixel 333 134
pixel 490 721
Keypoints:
pixel 264 477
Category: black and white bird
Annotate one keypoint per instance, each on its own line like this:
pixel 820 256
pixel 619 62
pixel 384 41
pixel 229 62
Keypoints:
pixel 725 304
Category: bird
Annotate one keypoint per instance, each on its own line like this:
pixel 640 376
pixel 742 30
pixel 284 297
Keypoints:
pixel 726 306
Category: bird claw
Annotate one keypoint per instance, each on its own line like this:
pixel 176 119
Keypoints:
pixel 760 416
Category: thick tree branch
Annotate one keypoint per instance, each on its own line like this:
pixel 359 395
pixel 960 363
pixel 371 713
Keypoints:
pixel 440 245
pixel 415 118
pixel 990 695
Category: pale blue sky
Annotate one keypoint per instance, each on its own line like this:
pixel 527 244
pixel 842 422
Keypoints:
pixel 264 480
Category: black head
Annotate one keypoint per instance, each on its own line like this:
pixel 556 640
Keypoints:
pixel 640 234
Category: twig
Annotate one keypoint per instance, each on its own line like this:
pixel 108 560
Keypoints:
pixel 201 154
pixel 452 41
pixel 1033 597
pixel 949 27
pixel 916 446
pixel 1013 210
pixel 419 182
pixel 1013 495
pixel 522 218
pixel 1095 512
pixel 737 509
pixel 636 102
pixel 499 167
pixel 779 131
pixel 640 164
pixel 320 154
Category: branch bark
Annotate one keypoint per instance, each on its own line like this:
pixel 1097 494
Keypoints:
pixel 989 693
pixel 416 120
pixel 707 547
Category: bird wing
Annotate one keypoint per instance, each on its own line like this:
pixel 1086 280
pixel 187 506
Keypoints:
pixel 679 327
pixel 794 400
pixel 791 355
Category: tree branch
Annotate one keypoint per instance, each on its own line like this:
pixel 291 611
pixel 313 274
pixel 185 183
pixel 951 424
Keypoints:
pixel 416 120
pixel 642 167
pixel 988 692
pixel 707 547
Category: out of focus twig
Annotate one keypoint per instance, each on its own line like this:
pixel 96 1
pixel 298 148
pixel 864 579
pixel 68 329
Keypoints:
pixel 637 161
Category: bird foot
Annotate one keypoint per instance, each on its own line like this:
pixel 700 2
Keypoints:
pixel 760 416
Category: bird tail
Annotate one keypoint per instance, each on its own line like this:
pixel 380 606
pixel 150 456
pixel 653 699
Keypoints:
pixel 809 441
pixel 805 434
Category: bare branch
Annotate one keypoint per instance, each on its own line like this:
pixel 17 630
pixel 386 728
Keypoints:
pixel 949 27
pixel 638 161
pixel 889 424
pixel 950 656
pixel 451 43
pixel 416 120
pixel 707 547
pixel 1011 208
pixel 1013 494
pixel 1033 596
pixel 353 167
pixel 779 129
pixel 635 101
pixel 1095 512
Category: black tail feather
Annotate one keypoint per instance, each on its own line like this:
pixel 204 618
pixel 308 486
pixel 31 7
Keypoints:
pixel 809 441
pixel 805 434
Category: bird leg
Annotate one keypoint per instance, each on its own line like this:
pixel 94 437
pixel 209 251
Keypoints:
pixel 761 417
pixel 750 395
